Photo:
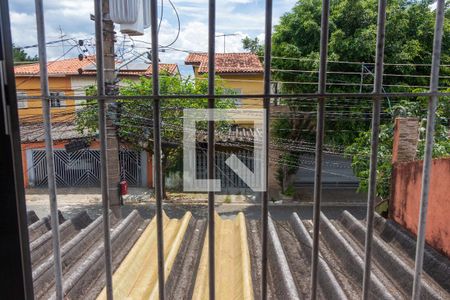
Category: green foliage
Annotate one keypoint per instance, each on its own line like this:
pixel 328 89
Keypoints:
pixel 383 208
pixel 409 39
pixel 289 191
pixel 253 45
pixel 134 117
pixel 227 199
pixel 21 56
pixel 359 151
pixel 353 30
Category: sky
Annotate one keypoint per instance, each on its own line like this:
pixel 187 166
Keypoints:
pixel 71 19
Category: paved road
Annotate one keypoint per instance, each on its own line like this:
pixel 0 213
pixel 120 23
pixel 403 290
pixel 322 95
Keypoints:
pixel 147 210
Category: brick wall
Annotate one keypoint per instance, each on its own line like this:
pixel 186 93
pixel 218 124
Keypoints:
pixel 406 136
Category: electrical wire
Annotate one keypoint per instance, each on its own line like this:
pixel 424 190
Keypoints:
pixel 179 25
pixel 49 64
pixel 161 15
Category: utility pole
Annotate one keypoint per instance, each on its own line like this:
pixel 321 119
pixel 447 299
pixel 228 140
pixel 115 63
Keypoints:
pixel 111 133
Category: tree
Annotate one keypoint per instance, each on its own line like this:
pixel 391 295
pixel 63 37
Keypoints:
pixel 134 117
pixel 409 41
pixel 359 150
pixel 253 45
pixel 20 55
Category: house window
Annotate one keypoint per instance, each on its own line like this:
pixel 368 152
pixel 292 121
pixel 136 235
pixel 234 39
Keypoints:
pixel 237 91
pixel 55 101
pixel 21 101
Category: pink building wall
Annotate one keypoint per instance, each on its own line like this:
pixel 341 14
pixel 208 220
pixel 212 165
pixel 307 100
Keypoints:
pixel 405 200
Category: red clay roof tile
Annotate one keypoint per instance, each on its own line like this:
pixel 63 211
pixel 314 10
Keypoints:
pixel 72 65
pixel 227 62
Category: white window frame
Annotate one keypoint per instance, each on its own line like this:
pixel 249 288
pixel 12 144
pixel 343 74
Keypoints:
pixel 22 103
pixel 61 103
pixel 238 91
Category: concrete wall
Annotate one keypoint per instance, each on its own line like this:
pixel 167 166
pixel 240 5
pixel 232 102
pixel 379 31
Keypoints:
pixel 405 200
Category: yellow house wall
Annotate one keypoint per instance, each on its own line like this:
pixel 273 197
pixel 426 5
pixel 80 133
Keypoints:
pixel 248 84
pixel 33 111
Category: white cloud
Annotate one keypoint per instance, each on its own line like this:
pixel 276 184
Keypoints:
pixel 242 17
pixel 22 27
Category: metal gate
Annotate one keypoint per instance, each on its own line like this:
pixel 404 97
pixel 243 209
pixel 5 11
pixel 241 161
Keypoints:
pixel 81 168
pixel 230 181
pixel 132 167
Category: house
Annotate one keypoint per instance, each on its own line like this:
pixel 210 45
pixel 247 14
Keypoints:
pixel 244 74
pixel 71 77
pixel 68 77
pixel 80 168
pixel 241 72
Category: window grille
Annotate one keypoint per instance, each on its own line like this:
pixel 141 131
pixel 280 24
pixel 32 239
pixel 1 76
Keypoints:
pixel 55 100
pixel 321 96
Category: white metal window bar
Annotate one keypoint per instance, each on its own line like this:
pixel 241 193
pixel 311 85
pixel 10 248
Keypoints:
pixel 377 95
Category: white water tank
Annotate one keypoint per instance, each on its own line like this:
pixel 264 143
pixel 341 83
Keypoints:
pixel 124 11
pixel 146 13
pixel 136 28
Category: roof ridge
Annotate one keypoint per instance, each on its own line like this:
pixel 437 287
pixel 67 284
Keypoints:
pixel 71 66
pixel 234 62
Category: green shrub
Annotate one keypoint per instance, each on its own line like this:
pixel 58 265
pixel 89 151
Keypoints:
pixel 227 199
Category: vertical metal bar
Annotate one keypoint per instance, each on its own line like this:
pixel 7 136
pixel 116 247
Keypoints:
pixel 324 28
pixel 16 258
pixel 157 145
pixel 103 144
pixel 265 195
pixel 377 88
pixel 361 81
pixel 49 147
pixel 211 146
pixel 431 120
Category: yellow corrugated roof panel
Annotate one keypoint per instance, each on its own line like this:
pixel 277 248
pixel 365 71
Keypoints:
pixel 232 259
pixel 137 275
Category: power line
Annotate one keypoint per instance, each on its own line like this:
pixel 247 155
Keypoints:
pixel 49 64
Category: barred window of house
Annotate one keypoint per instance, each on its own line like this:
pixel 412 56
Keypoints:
pixel 237 91
pixel 55 101
pixel 21 101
